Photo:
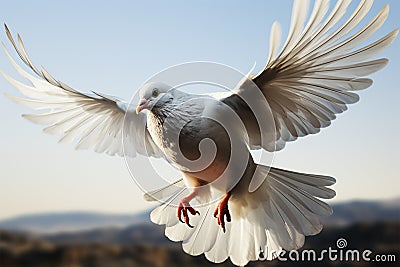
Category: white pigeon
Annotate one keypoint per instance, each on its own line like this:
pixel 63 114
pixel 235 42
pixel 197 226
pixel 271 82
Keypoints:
pixel 314 77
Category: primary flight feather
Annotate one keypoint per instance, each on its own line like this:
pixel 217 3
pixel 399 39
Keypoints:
pixel 241 210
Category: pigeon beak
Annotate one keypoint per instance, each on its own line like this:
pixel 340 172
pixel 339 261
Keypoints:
pixel 142 105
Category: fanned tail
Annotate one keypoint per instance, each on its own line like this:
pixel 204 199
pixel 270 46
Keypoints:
pixel 278 215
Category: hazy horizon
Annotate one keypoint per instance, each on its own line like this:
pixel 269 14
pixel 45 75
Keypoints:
pixel 142 211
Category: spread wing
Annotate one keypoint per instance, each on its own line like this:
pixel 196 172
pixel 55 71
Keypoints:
pixel 319 70
pixel 93 121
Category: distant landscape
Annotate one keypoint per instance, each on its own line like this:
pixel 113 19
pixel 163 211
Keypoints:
pixel 92 239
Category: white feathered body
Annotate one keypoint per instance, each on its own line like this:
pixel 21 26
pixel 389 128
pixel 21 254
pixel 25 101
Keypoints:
pixel 191 131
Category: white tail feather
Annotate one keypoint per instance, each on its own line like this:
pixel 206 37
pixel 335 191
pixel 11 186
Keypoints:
pixel 276 216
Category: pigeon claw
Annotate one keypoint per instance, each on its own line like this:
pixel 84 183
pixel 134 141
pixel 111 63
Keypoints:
pixel 222 211
pixel 184 209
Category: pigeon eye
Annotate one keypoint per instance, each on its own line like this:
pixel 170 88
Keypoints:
pixel 155 92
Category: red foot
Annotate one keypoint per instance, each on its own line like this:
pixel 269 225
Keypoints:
pixel 223 210
pixel 183 209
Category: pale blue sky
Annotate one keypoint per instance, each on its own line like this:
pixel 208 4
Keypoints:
pixel 115 46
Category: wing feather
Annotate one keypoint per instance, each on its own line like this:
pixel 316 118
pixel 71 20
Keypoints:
pixel 95 121
pixel 319 70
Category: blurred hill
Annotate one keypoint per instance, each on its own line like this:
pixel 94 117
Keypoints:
pixel 131 240
pixel 145 245
pixel 347 213
pixel 344 214
pixel 69 221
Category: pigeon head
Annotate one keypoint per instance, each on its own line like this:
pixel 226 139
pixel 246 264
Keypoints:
pixel 150 94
